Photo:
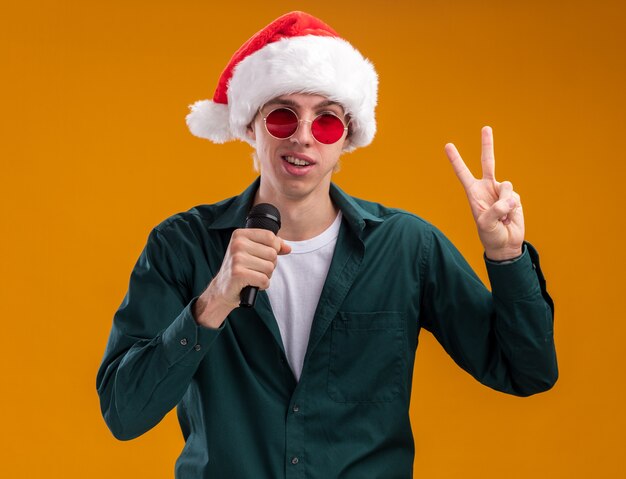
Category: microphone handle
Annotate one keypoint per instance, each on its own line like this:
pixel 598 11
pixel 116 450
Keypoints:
pixel 248 296
pixel 266 217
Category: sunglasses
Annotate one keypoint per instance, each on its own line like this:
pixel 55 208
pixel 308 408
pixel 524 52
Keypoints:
pixel 326 128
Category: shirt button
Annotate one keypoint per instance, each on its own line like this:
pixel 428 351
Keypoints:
pixel 296 408
pixel 183 341
pixel 294 461
pixel 197 347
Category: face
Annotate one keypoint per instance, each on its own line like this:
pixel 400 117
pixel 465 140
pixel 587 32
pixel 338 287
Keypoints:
pixel 277 157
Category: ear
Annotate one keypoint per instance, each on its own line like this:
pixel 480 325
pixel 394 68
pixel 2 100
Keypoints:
pixel 347 143
pixel 250 133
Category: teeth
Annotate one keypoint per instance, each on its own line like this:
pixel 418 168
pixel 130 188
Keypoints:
pixel 296 161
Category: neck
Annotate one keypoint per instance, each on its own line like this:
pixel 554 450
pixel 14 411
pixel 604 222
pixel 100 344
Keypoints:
pixel 301 218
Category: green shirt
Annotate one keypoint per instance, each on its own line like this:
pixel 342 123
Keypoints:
pixel 242 413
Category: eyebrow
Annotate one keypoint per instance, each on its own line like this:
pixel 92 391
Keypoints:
pixel 293 104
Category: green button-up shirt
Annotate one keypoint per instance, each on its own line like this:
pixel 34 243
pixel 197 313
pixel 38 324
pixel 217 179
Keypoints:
pixel 243 414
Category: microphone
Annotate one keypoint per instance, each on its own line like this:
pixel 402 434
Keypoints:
pixel 266 217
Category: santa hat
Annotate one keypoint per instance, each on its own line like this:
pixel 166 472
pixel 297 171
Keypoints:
pixel 296 53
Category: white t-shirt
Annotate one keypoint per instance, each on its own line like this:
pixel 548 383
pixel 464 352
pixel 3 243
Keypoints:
pixel 295 290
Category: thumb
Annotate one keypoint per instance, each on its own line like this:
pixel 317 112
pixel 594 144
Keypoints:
pixel 496 213
pixel 284 248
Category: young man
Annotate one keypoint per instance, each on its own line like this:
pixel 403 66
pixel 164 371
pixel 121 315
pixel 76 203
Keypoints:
pixel 315 380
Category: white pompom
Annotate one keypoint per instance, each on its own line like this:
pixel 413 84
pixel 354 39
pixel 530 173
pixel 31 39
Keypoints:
pixel 209 120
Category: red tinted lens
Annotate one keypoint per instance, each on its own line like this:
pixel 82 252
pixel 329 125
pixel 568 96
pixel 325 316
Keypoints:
pixel 281 123
pixel 327 128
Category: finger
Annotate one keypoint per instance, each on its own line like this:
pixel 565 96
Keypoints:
pixel 502 193
pixel 261 236
pixel 487 158
pixel 242 275
pixel 258 280
pixel 506 190
pixel 241 244
pixel 516 211
pixel 284 248
pixel 261 251
pixel 248 263
pixel 489 220
pixel 460 168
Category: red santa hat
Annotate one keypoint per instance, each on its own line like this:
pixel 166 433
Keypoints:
pixel 296 53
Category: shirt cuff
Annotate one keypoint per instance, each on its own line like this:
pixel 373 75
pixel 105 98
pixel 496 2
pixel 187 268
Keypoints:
pixel 185 340
pixel 514 279
pixel 506 261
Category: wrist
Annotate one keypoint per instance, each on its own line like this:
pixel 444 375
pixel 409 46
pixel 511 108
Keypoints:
pixel 505 254
pixel 210 312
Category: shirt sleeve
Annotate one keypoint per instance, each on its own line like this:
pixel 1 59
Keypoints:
pixel 503 338
pixel 155 345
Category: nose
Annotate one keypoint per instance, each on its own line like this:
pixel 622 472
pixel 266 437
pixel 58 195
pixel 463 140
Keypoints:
pixel 303 135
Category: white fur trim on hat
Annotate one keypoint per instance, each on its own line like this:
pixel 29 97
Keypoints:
pixel 327 66
pixel 322 65
pixel 209 120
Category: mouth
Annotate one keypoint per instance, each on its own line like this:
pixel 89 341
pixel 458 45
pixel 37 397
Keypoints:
pixel 299 162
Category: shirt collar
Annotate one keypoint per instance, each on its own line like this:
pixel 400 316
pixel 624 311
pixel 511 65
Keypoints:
pixel 236 209
pixel 356 216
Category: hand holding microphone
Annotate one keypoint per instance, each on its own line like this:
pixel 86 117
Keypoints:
pixel 248 265
pixel 266 217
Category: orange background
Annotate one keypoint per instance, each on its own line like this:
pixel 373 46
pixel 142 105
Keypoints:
pixel 95 152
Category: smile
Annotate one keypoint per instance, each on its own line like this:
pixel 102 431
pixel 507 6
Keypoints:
pixel 296 161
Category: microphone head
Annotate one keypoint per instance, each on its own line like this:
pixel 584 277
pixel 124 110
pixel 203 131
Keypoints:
pixel 264 216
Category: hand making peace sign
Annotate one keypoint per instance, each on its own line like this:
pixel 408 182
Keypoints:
pixel 496 207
